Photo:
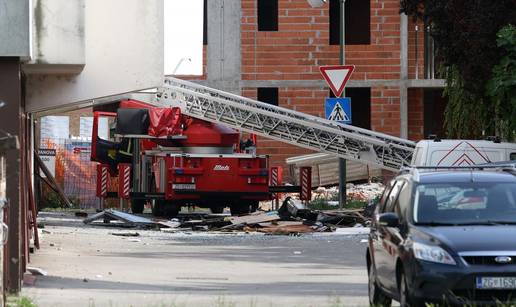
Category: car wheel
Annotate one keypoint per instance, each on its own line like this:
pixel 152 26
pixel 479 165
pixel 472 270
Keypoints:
pixel 376 296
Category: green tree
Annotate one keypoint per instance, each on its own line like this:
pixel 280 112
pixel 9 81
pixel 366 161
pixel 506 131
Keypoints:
pixel 502 87
pixel 465 34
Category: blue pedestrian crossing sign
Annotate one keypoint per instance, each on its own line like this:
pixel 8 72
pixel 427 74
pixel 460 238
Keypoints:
pixel 338 109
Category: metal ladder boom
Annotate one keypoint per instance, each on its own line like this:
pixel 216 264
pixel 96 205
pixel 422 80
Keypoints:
pixel 286 125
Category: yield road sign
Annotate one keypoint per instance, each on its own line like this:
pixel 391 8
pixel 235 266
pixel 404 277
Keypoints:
pixel 337 76
pixel 338 109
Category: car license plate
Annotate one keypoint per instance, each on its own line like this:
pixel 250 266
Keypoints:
pixel 183 186
pixel 496 282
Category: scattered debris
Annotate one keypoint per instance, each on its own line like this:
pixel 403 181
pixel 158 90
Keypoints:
pixel 134 240
pixel 126 234
pixel 295 208
pixel 36 271
pixel 120 219
pixel 81 214
pixel 255 218
pixel 173 223
pixel 292 218
pixel 85 279
pixel 342 218
pixel 297 252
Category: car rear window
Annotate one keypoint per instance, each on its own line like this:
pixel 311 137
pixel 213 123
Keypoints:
pixel 472 202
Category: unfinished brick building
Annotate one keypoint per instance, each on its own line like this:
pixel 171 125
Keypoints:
pixel 272 49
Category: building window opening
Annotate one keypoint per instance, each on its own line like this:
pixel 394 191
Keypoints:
pixel 267 15
pixel 268 95
pixel 357 22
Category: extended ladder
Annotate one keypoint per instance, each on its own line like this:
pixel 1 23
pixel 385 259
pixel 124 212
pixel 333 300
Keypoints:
pixel 286 125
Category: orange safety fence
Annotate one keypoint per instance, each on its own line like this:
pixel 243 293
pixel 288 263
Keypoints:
pixel 74 172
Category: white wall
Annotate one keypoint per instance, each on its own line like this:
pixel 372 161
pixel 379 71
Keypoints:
pixel 14 28
pixel 123 53
pixel 57 37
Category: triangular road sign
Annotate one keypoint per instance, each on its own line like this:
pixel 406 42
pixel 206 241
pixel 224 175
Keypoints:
pixel 338 113
pixel 337 76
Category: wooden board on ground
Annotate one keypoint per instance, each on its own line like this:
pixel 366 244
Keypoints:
pixel 254 218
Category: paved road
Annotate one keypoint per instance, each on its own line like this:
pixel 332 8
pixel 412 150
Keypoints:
pixel 87 266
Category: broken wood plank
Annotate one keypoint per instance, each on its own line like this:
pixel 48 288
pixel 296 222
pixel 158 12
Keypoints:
pixel 254 219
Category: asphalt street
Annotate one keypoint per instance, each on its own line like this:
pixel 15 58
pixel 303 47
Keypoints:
pixel 88 266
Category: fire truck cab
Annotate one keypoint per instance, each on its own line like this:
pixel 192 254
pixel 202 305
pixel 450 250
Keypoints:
pixel 176 160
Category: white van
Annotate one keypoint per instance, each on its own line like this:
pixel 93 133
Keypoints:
pixel 461 152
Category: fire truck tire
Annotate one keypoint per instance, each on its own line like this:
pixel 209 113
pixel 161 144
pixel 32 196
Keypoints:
pixel 217 210
pixel 165 208
pixel 244 208
pixel 157 208
pixel 137 205
pixel 254 206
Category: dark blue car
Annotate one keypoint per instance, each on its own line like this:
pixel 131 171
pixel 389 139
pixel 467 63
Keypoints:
pixel 444 236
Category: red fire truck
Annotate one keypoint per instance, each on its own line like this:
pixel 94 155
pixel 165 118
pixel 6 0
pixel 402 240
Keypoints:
pixel 172 160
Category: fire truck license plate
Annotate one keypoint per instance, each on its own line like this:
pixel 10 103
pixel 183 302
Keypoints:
pixel 183 186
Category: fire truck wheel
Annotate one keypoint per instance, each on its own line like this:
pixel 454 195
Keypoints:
pixel 239 209
pixel 165 208
pixel 244 208
pixel 254 206
pixel 137 205
pixel 157 208
pixel 217 210
pixel 171 210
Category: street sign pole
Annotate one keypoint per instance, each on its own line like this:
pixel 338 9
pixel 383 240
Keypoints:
pixel 342 162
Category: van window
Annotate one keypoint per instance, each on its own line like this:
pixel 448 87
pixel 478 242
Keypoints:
pixel 512 156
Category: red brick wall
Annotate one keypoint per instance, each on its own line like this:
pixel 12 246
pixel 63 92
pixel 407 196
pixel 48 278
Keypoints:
pixel 301 44
pixel 415 114
pixel 385 109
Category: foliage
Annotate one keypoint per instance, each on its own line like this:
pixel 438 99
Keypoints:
pixel 464 112
pixel 50 199
pixel 502 87
pixel 464 32
pixel 19 301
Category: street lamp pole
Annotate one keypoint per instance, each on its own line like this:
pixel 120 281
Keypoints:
pixel 342 162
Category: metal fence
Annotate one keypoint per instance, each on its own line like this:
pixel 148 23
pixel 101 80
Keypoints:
pixel 74 171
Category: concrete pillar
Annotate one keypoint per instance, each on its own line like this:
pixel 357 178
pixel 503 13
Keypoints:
pixel 224 54
pixel 11 115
